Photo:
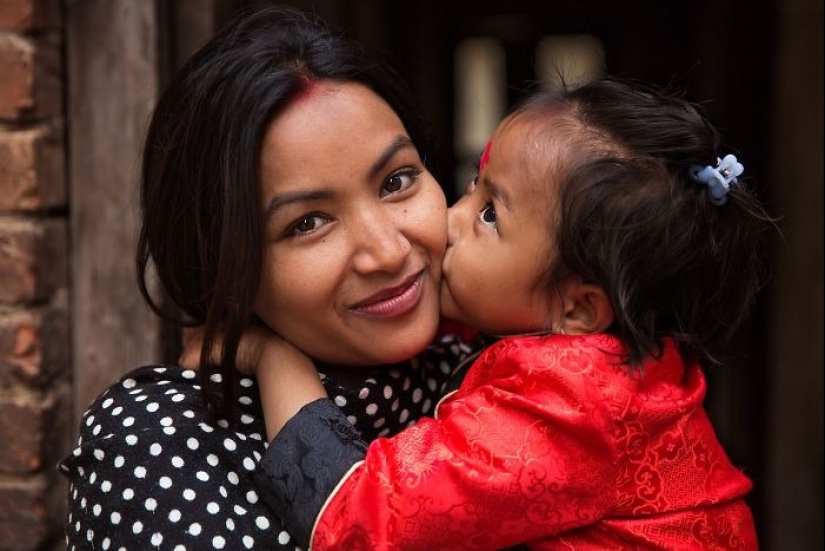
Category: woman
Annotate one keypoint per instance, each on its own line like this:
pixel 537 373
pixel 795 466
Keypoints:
pixel 281 185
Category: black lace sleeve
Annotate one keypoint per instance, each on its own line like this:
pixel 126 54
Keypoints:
pixel 307 459
pixel 319 445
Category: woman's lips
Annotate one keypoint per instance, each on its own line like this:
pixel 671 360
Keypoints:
pixel 393 301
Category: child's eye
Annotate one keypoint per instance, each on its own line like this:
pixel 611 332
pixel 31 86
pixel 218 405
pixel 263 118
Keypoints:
pixel 488 215
pixel 307 225
pixel 399 182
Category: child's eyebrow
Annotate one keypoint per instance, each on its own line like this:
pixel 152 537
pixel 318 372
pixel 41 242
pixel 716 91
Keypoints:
pixel 497 192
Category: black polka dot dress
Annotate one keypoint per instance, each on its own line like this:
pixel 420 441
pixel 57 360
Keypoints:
pixel 153 470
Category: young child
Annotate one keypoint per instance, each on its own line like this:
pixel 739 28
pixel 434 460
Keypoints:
pixel 613 252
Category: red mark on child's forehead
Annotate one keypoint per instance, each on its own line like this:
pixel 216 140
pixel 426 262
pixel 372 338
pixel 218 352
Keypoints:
pixel 305 88
pixel 485 157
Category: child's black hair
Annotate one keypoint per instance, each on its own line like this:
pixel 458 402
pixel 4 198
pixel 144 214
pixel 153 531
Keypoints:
pixel 634 222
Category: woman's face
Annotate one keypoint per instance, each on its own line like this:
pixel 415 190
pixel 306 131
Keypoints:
pixel 355 230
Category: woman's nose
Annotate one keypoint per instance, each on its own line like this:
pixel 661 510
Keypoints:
pixel 381 245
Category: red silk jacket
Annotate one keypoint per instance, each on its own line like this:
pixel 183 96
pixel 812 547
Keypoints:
pixel 549 441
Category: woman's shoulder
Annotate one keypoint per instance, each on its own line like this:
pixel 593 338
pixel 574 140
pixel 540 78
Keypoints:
pixel 142 393
pixel 167 400
pixel 171 387
pixel 149 376
pixel 154 464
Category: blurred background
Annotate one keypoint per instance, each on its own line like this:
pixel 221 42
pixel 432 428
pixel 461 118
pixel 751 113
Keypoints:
pixel 78 80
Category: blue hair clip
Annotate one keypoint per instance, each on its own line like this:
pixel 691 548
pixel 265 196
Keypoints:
pixel 718 178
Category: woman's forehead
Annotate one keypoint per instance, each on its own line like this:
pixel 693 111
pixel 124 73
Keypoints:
pixel 330 106
pixel 334 137
pixel 342 117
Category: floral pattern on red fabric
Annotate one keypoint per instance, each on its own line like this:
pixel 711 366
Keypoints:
pixel 549 442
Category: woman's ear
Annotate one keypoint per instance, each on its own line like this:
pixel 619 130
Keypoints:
pixel 587 309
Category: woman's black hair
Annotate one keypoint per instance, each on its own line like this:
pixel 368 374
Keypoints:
pixel 201 224
pixel 633 221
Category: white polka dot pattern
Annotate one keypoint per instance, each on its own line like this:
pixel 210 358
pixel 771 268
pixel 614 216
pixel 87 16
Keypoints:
pixel 153 470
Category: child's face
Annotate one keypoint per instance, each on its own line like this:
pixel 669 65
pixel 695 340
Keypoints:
pixel 498 242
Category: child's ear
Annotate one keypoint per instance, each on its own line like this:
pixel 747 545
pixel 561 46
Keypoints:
pixel 587 309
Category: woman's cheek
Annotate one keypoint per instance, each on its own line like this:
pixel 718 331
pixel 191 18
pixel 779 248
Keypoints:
pixel 431 216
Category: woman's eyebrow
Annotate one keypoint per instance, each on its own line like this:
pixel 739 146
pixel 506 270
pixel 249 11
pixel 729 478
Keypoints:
pixel 280 201
pixel 397 144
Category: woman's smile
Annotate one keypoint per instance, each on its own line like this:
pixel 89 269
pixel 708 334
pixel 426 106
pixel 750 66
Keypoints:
pixel 393 301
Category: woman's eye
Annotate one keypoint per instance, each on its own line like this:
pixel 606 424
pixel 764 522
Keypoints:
pixel 488 215
pixel 398 182
pixel 307 224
